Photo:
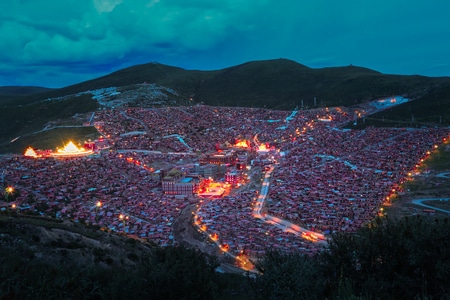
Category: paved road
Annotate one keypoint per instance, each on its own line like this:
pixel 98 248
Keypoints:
pixel 420 202
pixel 282 224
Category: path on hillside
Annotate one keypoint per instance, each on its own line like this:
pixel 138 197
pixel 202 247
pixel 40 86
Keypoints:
pixel 420 202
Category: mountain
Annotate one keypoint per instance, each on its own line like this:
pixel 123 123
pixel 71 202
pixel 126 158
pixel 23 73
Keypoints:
pixel 11 94
pixel 279 83
pixel 21 90
pixel 276 84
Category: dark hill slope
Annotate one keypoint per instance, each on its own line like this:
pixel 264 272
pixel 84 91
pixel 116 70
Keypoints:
pixel 258 83
pixel 22 90
pixel 173 77
pixel 282 84
pixel 278 83
pixel 181 80
pixel 432 109
pixel 10 95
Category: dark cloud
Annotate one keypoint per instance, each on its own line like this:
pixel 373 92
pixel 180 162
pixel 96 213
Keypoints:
pixel 80 40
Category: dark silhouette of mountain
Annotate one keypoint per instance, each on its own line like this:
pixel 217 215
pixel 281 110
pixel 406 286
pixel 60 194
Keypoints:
pixel 22 90
pixel 276 84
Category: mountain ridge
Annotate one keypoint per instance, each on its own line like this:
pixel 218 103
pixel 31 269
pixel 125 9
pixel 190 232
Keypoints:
pixel 299 80
pixel 275 84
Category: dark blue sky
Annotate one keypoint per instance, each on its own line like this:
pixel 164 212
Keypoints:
pixel 58 43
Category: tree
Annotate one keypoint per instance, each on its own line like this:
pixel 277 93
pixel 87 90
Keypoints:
pixel 392 259
pixel 289 276
pixel 179 273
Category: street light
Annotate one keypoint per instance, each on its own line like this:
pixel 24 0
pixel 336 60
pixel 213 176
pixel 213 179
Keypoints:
pixel 14 206
pixel 97 207
pixel 123 218
pixel 8 192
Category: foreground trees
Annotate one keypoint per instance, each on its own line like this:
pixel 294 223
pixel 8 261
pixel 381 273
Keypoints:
pixel 407 259
pixel 393 260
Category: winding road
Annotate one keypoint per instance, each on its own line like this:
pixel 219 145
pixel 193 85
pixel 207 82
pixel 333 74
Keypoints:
pixel 420 202
pixel 282 224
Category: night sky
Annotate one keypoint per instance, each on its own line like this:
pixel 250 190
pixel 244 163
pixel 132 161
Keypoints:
pixel 58 43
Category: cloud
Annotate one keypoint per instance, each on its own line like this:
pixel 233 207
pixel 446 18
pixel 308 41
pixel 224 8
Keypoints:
pixel 63 32
pixel 106 5
pixel 203 34
pixel 47 34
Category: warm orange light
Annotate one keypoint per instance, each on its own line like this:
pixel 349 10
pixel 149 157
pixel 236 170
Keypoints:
pixel 30 152
pixel 98 204
pixel 71 150
pixel 225 247
pixel 243 144
pixel 262 147
pixel 214 236
pixel 243 262
pixel 70 147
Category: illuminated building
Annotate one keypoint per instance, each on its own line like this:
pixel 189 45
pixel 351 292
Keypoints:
pixel 187 186
pixel 210 170
pixel 233 177
pixel 70 150
pixel 30 152
pixel 90 145
pixel 219 159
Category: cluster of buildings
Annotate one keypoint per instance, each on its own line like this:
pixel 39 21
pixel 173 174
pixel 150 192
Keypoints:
pixel 210 176
pixel 154 162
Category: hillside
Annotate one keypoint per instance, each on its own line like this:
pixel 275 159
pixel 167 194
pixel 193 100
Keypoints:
pixel 284 84
pixel 66 257
pixel 17 119
pixel 430 109
pixel 277 84
pixel 44 258
pixel 22 90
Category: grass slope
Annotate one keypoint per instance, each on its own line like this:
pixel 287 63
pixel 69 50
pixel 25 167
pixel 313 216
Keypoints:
pixel 51 139
pixel 20 120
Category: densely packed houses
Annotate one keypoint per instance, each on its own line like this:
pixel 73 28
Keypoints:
pixel 326 179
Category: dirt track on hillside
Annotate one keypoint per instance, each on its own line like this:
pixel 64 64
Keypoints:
pixel 185 233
